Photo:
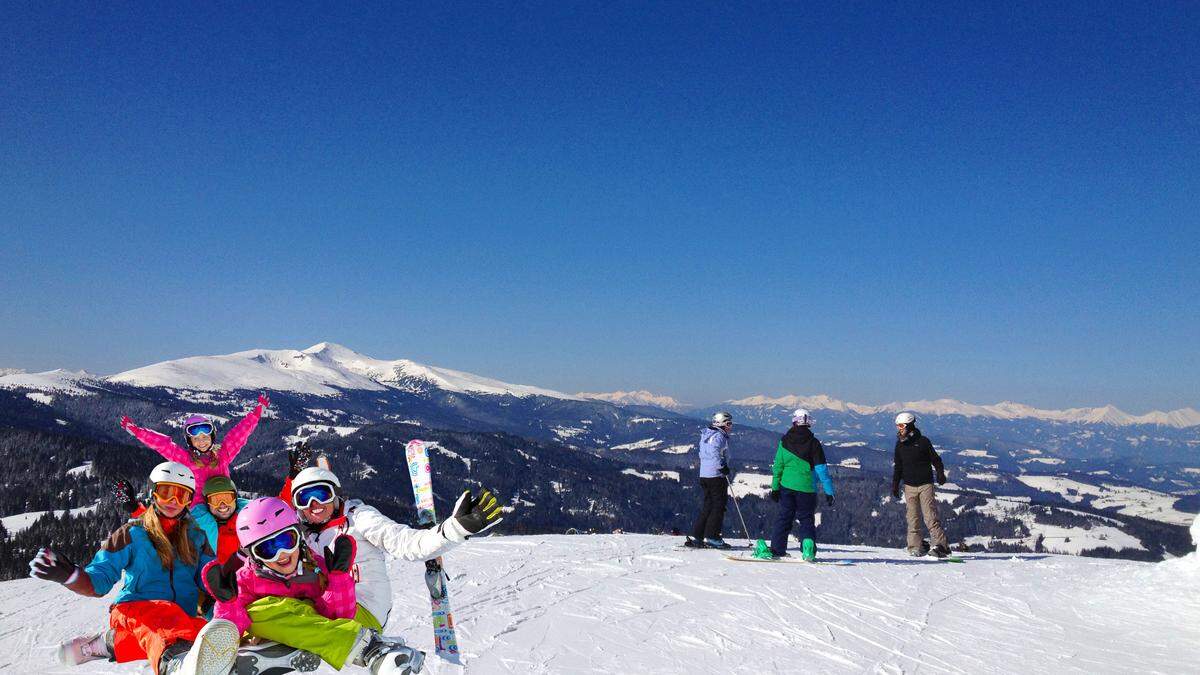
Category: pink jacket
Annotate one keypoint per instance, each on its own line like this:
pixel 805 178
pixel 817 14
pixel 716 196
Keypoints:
pixel 226 451
pixel 337 601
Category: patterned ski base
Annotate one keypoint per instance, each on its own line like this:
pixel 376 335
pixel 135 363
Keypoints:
pixel 272 658
pixel 444 639
pixel 789 560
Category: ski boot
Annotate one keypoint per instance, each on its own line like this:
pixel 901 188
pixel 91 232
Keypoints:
pixel 808 550
pixel 171 661
pixel 717 543
pixel 385 655
pixel 941 550
pixel 272 658
pixel 215 649
pixel 920 552
pixel 86 648
pixel 694 543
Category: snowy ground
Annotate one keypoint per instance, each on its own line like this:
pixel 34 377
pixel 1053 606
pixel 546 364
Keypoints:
pixel 634 603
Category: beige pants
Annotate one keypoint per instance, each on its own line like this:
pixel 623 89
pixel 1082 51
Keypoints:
pixel 920 499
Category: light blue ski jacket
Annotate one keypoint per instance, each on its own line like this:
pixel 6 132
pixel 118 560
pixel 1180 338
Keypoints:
pixel 714 452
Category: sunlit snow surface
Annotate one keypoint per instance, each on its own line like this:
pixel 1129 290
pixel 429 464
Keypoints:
pixel 636 604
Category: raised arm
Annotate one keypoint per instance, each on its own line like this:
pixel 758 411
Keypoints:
pixel 402 541
pixel 236 437
pixel 160 443
pixel 338 601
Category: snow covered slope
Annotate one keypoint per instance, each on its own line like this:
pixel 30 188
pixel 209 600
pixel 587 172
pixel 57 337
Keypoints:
pixel 1006 410
pixel 321 369
pixel 65 381
pixel 635 603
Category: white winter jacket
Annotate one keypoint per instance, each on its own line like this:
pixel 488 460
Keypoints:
pixel 377 537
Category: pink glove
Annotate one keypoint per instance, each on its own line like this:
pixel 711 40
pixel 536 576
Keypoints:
pixel 264 401
pixel 127 424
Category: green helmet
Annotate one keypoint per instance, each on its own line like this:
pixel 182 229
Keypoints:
pixel 219 484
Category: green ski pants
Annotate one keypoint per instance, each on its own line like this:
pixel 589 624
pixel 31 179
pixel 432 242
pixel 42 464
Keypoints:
pixel 295 623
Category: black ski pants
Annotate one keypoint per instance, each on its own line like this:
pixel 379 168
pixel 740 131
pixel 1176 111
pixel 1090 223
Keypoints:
pixel 712 510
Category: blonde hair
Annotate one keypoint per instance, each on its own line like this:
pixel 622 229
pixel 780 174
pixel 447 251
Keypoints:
pixel 169 546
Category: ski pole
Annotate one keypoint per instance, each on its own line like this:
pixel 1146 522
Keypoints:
pixel 739 510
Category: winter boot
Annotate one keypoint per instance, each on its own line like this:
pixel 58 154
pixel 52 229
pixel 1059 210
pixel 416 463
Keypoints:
pixel 717 543
pixel 920 552
pixel 215 649
pixel 941 550
pixel 272 658
pixel 808 550
pixel 385 655
pixel 694 543
pixel 86 648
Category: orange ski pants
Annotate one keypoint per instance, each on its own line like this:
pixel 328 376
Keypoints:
pixel 144 628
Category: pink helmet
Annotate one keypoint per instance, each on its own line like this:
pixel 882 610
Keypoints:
pixel 263 517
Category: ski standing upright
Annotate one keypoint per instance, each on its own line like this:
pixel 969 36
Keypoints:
pixel 445 642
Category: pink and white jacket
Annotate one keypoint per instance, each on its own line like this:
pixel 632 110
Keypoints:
pixel 225 451
pixel 335 601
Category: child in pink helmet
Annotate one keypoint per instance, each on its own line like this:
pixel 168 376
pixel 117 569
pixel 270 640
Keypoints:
pixel 264 590
pixel 204 456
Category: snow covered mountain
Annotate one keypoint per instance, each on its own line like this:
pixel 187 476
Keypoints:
pixel 636 603
pixel 323 369
pixel 635 398
pixel 1006 410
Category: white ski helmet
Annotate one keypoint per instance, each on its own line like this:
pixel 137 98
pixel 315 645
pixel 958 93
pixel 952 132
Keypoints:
pixel 722 418
pixel 173 472
pixel 802 417
pixel 906 418
pixel 315 474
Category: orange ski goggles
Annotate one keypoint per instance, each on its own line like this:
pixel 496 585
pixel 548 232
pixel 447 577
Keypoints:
pixel 219 500
pixel 166 493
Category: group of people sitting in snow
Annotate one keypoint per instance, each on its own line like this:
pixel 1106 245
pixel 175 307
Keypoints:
pixel 213 583
pixel 799 465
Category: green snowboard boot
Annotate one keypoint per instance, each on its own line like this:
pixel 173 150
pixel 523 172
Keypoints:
pixel 808 550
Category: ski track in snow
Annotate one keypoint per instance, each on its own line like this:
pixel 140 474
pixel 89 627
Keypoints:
pixel 634 603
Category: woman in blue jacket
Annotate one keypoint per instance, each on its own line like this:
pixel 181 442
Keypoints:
pixel 156 614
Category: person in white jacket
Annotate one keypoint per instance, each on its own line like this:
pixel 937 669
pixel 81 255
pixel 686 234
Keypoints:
pixel 326 513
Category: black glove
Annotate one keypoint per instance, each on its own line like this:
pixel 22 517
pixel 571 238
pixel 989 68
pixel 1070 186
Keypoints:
pixel 774 495
pixel 725 470
pixel 828 500
pixel 341 557
pixel 51 565
pixel 222 580
pixel 124 496
pixel 895 491
pixel 477 514
pixel 941 477
pixel 299 456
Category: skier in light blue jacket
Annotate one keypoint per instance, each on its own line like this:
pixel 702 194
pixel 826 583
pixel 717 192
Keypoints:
pixel 714 483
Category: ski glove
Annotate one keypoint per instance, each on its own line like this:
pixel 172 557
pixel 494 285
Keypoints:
pixel 124 496
pixel 299 456
pixel 264 400
pixel 477 514
pixel 221 582
pixel 775 495
pixel 341 557
pixel 828 500
pixel 127 423
pixel 725 470
pixel 51 565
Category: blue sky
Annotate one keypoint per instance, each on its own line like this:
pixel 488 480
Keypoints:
pixel 706 201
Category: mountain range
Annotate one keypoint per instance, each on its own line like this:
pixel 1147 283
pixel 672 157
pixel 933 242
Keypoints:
pixel 328 369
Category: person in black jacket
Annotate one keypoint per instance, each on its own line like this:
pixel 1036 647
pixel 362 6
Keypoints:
pixel 916 463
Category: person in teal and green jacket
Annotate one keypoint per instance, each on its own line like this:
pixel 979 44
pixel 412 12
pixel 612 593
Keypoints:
pixel 798 459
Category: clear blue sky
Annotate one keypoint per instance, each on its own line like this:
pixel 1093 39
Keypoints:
pixel 875 203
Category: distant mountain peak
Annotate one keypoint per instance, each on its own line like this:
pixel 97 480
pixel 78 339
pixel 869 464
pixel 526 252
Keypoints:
pixel 640 397
pixel 322 369
pixel 1107 414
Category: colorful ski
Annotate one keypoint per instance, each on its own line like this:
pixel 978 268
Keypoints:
pixel 444 640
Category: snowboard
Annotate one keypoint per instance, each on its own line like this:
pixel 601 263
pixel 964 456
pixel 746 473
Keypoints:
pixel 444 640
pixel 789 560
